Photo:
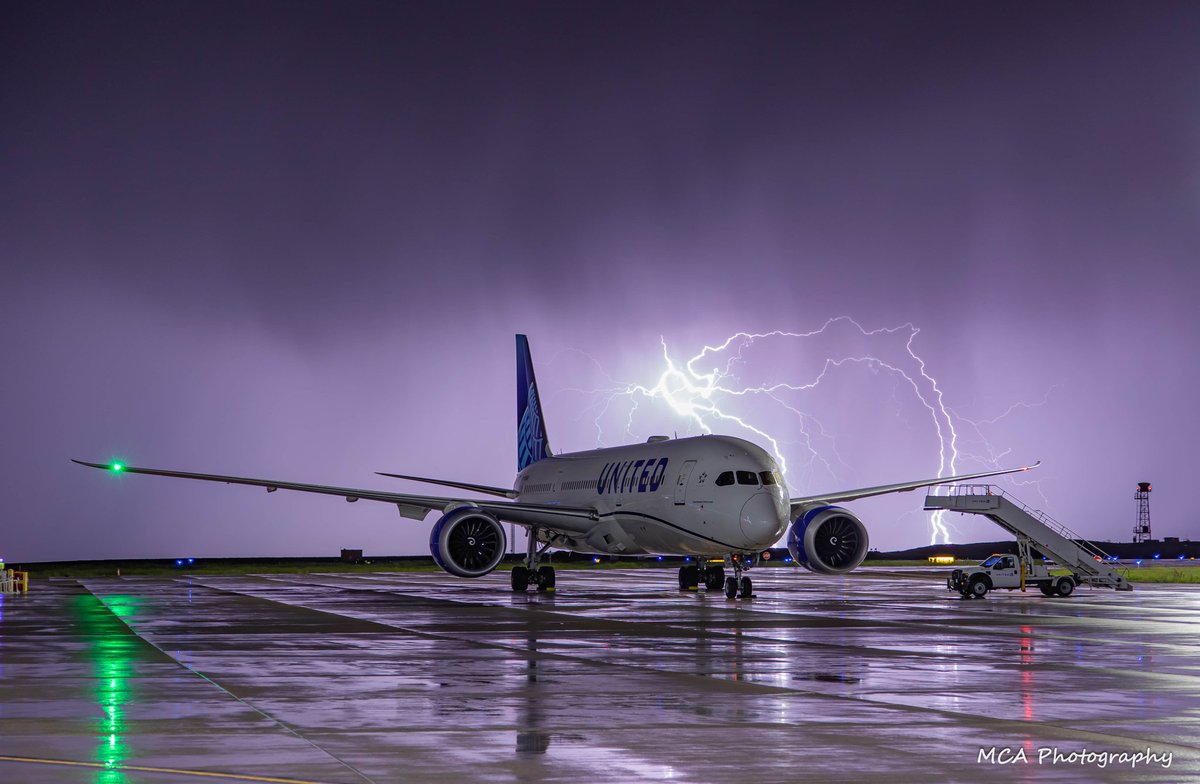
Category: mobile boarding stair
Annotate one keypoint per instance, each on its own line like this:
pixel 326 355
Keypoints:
pixel 1088 563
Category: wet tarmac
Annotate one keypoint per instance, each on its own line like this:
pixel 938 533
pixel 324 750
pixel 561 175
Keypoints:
pixel 423 677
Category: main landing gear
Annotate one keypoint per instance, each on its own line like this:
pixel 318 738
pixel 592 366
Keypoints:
pixel 690 576
pixel 714 579
pixel 531 573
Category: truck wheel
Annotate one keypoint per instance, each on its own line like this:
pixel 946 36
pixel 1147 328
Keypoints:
pixel 1046 589
pixel 1065 586
pixel 978 587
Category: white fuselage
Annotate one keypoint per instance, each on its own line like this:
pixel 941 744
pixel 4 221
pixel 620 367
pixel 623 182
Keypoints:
pixel 708 495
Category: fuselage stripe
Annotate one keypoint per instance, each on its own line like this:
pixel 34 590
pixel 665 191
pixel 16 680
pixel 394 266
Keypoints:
pixel 672 525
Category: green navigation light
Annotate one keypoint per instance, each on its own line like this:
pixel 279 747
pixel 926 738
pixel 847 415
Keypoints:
pixel 117 468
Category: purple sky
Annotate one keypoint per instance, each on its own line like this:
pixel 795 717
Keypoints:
pixel 294 240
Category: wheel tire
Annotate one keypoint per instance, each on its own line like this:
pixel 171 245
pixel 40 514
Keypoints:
pixel 978 587
pixel 731 588
pixel 1064 587
pixel 747 588
pixel 520 578
pixel 545 580
pixel 692 576
pixel 1046 589
pixel 714 579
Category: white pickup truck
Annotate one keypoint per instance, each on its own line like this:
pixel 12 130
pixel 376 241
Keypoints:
pixel 1004 571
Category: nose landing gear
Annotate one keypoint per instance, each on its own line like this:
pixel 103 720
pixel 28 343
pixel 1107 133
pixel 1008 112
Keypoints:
pixel 735 588
pixel 740 586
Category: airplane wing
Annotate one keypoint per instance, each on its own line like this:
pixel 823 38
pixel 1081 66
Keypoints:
pixel 903 487
pixel 486 489
pixel 576 520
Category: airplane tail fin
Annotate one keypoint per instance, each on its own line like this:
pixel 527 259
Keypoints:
pixel 532 443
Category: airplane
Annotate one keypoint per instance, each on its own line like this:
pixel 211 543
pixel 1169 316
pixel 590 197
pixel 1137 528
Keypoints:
pixel 717 499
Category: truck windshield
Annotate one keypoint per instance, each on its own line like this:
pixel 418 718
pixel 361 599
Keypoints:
pixel 991 561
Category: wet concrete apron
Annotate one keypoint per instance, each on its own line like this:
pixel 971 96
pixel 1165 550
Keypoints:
pixel 423 677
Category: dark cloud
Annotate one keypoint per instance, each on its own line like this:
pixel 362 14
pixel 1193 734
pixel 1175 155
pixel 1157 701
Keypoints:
pixel 294 239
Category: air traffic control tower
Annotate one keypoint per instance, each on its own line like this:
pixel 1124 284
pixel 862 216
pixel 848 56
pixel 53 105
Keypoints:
pixel 1141 529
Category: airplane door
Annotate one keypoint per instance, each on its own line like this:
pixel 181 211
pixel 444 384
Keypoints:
pixel 681 483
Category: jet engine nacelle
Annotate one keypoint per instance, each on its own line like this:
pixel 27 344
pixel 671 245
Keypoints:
pixel 827 540
pixel 468 542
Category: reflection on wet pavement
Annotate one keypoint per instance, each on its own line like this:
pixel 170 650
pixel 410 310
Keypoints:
pixel 420 677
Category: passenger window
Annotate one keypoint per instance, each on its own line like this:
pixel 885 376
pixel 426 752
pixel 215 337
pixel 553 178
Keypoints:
pixel 747 478
pixel 767 477
pixel 725 479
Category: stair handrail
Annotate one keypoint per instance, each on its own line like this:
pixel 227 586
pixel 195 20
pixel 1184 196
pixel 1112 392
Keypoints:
pixel 1042 517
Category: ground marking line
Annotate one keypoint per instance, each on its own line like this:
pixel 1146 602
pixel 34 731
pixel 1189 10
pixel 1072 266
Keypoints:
pixel 148 769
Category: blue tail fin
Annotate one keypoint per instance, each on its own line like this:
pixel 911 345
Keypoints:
pixel 532 443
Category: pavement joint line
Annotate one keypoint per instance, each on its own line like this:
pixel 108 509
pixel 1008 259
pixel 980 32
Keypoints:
pixel 150 769
pixel 765 612
pixel 1039 729
pixel 248 704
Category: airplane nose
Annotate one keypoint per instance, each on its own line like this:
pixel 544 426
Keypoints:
pixel 759 520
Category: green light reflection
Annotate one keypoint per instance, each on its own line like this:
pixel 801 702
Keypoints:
pixel 111 650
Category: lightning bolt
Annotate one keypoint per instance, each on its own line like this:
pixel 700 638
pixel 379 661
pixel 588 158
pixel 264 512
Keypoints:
pixel 699 390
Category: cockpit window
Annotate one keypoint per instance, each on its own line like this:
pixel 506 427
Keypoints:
pixel 725 478
pixel 747 478
pixel 767 477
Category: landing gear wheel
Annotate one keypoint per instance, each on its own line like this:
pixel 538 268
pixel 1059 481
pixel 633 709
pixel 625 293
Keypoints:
pixel 545 578
pixel 520 578
pixel 714 579
pixel 747 588
pixel 731 588
pixel 977 588
pixel 1065 586
pixel 689 578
